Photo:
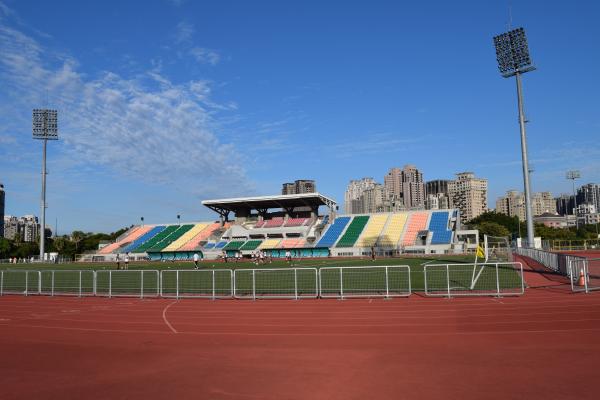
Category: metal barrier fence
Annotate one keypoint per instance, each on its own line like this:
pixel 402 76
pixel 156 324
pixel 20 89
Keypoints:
pixel 554 261
pixel 372 281
pixel 127 283
pixel 485 279
pixel 276 283
pixel 584 274
pixel 67 283
pixel 213 283
pixel 23 282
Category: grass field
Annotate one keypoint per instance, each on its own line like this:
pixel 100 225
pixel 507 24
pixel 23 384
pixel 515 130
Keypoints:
pixel 278 280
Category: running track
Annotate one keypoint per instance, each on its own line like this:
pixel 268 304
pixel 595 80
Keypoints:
pixel 544 345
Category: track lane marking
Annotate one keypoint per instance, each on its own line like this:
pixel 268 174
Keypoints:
pixel 164 315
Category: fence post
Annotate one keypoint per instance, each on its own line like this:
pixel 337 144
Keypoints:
pixel 177 284
pixel 253 284
pixel 160 280
pixel 39 282
pixel 387 284
pixel 425 278
pixel 79 283
pixel 586 274
pixel 213 284
pixel 497 280
pixel 109 283
pixel 448 278
pixel 52 284
pixel 1 283
pixel 26 282
pixel 341 283
pixel 141 283
pixel 296 283
pixel 95 282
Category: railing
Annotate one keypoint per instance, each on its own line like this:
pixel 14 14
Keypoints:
pixel 554 261
pixel 213 283
pixel 276 283
pixel 372 281
pixel 485 279
pixel 127 283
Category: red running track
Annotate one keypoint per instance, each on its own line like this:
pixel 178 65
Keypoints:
pixel 544 345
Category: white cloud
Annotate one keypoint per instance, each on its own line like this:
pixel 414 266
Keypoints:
pixel 146 126
pixel 205 56
pixel 184 32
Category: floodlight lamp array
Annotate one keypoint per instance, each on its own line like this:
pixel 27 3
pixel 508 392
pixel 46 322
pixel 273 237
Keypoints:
pixel 45 124
pixel 573 174
pixel 512 53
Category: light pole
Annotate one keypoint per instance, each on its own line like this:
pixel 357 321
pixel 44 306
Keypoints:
pixel 572 175
pixel 142 219
pixel 513 58
pixel 44 127
pixel 178 219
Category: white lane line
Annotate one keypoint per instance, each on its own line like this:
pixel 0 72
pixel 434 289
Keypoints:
pixel 164 315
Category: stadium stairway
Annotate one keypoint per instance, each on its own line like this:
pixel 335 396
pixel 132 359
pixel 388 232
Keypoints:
pixel 353 231
pixel 373 230
pixel 186 237
pixel 133 247
pixel 333 233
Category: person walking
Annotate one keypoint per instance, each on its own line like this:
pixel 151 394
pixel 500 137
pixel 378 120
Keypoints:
pixel 372 253
pixel 196 258
pixel 127 261
pixel 118 262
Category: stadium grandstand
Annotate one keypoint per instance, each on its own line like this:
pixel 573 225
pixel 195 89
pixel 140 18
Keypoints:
pixel 278 224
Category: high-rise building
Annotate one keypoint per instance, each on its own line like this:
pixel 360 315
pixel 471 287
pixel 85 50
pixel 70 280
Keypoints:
pixel 1 210
pixel 469 195
pixel 565 203
pixel 354 191
pixel 413 188
pixel 24 228
pixel 299 186
pixel 436 192
pixel 589 194
pixel 406 187
pixel 513 204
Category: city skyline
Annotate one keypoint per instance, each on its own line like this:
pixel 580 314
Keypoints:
pixel 170 107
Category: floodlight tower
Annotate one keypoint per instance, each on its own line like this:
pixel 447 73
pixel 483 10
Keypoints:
pixel 45 127
pixel 513 58
pixel 572 175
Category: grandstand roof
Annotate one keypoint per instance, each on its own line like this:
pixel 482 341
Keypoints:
pixel 267 202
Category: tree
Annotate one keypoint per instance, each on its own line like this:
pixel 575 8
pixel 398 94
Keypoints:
pixel 76 238
pixel 4 248
pixel 492 229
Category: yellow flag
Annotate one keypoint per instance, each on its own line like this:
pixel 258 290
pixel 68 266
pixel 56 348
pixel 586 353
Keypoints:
pixel 480 252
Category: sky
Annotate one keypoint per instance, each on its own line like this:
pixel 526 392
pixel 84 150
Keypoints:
pixel 167 104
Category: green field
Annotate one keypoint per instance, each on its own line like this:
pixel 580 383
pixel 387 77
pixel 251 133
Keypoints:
pixel 140 278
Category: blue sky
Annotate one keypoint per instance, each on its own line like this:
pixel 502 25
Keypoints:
pixel 165 105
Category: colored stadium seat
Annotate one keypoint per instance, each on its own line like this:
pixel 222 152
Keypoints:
pixel 275 222
pixel 269 244
pixel 220 245
pixel 353 232
pixel 333 233
pixel 234 245
pixel 296 222
pixel 292 243
pixel 133 247
pixel 393 231
pixel 186 237
pixel 260 224
pixel 167 240
pixel 204 234
pixel 438 225
pixel 132 235
pixel 373 230
pixel 251 245
pixel 417 222
pixel 209 245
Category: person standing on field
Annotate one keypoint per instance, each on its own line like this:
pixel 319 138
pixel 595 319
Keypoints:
pixel 127 261
pixel 118 262
pixel 196 258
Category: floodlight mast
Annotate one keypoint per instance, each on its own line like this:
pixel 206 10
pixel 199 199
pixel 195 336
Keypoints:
pixel 572 175
pixel 513 58
pixel 45 127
